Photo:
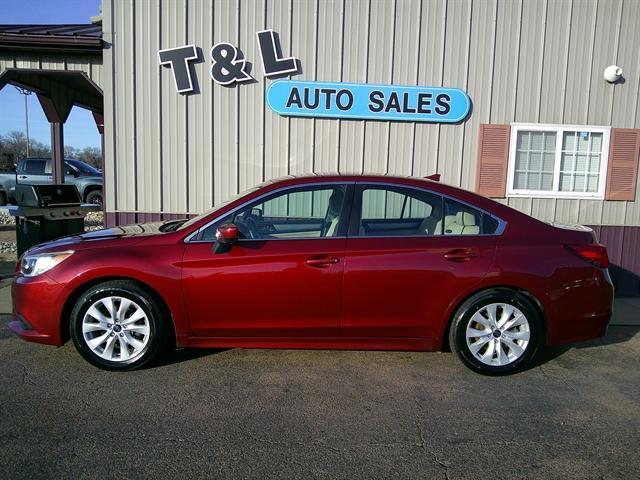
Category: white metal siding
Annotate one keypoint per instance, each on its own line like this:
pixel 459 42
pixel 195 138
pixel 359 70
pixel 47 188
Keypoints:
pixel 519 60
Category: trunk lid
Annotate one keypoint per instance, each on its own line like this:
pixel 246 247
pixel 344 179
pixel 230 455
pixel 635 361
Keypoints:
pixel 581 233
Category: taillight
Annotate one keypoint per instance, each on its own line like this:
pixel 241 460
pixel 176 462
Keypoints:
pixel 592 252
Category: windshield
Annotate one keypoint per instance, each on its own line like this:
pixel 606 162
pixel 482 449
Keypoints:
pixel 84 168
pixel 217 207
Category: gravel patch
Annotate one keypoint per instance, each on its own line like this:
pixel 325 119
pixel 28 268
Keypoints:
pixel 94 221
pixel 6 219
pixel 8 248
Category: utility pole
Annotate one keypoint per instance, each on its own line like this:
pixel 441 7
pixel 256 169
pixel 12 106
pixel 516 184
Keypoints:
pixel 26 93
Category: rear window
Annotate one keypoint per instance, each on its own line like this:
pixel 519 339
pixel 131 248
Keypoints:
pixel 489 224
pixel 35 167
pixel 461 219
pixel 393 211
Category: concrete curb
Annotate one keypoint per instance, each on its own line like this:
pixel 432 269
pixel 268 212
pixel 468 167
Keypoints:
pixel 626 311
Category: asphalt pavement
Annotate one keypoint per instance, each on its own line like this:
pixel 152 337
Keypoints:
pixel 320 414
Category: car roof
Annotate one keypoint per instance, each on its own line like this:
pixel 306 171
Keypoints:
pixel 342 176
pixel 48 158
pixel 421 182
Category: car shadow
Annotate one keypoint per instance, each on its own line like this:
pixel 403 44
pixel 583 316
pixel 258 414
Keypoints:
pixel 181 355
pixel 615 334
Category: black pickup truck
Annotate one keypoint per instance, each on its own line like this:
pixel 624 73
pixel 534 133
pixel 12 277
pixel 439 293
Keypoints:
pixel 87 179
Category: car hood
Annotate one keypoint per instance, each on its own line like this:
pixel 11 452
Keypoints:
pixel 128 234
pixel 91 178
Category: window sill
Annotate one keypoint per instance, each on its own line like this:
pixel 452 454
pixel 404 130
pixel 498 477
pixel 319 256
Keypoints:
pixel 556 195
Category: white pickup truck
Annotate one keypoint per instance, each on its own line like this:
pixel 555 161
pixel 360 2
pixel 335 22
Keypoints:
pixel 87 179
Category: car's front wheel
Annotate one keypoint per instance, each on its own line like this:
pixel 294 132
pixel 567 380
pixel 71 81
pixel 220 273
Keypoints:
pixel 496 332
pixel 95 197
pixel 117 326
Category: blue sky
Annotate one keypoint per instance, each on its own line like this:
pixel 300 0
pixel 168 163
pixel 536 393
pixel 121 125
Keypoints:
pixel 80 129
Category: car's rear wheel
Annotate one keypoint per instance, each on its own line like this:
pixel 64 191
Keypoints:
pixel 117 326
pixel 496 332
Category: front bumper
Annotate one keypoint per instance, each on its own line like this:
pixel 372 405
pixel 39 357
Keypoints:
pixel 37 307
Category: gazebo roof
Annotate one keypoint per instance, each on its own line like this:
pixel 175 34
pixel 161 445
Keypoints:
pixel 77 38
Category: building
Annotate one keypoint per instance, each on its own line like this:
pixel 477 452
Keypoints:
pixel 544 131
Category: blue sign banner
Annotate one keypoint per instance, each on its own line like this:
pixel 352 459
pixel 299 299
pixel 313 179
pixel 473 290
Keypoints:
pixel 368 102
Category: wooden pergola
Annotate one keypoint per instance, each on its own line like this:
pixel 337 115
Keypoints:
pixel 58 90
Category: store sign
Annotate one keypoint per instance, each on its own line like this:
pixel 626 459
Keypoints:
pixel 368 102
pixel 228 65
pixel 317 99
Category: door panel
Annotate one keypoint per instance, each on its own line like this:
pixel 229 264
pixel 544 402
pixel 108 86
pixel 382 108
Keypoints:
pixel 35 172
pixel 410 252
pixel 284 288
pixel 35 179
pixel 401 287
pixel 278 227
pixel 390 227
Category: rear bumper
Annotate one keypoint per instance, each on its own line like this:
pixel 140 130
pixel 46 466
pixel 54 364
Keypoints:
pixel 37 305
pixel 581 310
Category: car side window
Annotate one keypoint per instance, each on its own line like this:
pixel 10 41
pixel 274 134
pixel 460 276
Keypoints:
pixel 34 167
pixel 389 211
pixel 461 219
pixel 305 212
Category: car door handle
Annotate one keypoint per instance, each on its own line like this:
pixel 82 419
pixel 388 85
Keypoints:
pixel 322 262
pixel 22 177
pixel 461 254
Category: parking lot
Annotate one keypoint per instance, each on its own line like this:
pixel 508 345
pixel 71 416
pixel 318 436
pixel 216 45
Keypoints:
pixel 320 414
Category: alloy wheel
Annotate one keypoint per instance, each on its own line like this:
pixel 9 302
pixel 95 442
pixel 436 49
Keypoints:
pixel 116 329
pixel 498 334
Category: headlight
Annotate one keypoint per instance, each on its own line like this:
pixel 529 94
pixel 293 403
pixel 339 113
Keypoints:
pixel 34 265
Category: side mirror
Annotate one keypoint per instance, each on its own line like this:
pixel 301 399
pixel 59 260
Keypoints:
pixel 227 234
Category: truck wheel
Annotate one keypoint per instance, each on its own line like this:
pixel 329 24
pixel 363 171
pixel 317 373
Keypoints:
pixel 94 197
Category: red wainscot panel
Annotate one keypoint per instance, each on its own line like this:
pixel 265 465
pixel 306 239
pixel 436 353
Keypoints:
pixel 623 246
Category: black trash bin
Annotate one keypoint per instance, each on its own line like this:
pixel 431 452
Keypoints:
pixel 47 212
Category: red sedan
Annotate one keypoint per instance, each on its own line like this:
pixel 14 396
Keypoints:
pixel 331 262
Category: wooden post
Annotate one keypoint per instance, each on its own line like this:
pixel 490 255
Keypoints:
pixel 57 152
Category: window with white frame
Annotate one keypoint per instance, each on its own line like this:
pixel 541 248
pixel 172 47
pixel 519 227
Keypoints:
pixel 558 161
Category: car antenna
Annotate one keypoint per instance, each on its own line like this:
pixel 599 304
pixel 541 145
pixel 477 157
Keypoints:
pixel 435 177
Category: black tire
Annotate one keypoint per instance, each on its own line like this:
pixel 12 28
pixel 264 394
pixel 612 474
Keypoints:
pixel 3 199
pixel 463 316
pixel 94 197
pixel 158 333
